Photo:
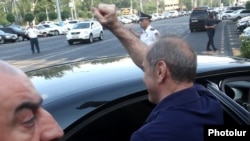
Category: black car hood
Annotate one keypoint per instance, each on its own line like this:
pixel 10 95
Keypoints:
pixel 72 90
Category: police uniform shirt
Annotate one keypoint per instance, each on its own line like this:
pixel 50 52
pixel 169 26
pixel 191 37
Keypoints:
pixel 181 116
pixel 32 32
pixel 148 35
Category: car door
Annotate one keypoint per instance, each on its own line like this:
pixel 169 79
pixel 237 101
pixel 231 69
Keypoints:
pixel 94 29
pixel 127 113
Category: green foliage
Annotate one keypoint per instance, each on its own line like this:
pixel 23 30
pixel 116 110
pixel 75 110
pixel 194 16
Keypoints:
pixel 3 21
pixel 247 5
pixel 245 47
pixel 42 16
pixel 81 14
pixel 149 8
pixel 29 17
pixel 52 16
pixel 89 15
pixel 10 17
pixel 187 4
pixel 65 15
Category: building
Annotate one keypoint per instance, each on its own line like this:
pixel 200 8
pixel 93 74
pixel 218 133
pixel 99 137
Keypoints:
pixel 172 5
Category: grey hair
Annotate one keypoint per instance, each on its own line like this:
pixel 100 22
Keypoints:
pixel 178 56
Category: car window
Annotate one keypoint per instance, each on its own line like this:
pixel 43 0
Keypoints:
pixel 199 14
pixel 234 113
pixel 238 89
pixel 81 26
pixel 72 22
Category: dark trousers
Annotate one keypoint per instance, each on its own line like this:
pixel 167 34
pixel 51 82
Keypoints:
pixel 210 40
pixel 34 42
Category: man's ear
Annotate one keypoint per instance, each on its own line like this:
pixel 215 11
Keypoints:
pixel 162 71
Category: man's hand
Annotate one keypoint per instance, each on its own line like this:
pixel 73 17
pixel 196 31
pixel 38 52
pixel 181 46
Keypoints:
pixel 106 15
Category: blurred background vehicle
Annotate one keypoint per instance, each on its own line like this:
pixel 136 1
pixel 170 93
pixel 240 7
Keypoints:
pixel 7 37
pixel 224 14
pixel 69 24
pixel 87 30
pixel 197 20
pixel 15 30
pixel 56 29
pixel 238 14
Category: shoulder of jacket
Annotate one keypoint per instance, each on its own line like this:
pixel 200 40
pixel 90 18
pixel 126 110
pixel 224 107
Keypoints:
pixel 152 28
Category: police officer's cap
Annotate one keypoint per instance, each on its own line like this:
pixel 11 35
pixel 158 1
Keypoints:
pixel 144 16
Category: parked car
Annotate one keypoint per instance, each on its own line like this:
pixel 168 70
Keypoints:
pixel 56 29
pixel 174 13
pixel 44 31
pixel 198 19
pixel 243 23
pixel 134 18
pixel 238 14
pixel 246 33
pixel 7 37
pixel 106 99
pixel 46 22
pixel 235 8
pixel 15 30
pixel 87 30
pixel 224 14
pixel 69 24
pixel 124 20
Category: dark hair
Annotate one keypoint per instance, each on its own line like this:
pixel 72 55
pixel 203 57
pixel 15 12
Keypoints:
pixel 211 16
pixel 178 56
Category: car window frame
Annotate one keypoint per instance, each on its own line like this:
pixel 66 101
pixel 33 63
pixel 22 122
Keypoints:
pixel 235 110
pixel 107 108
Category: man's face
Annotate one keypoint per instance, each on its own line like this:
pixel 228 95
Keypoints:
pixel 144 23
pixel 150 80
pixel 21 116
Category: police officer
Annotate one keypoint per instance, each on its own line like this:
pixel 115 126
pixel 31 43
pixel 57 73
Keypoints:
pixel 149 34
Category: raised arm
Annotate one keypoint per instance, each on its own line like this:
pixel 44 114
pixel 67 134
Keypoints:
pixel 106 15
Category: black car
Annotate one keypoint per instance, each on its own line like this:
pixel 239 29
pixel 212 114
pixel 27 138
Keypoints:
pixel 7 37
pixel 15 30
pixel 198 19
pixel 106 99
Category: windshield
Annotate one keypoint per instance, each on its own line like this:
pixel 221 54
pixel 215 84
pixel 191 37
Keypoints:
pixel 199 14
pixel 81 26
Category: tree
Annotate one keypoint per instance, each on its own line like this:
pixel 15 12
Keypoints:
pixel 52 16
pixel 29 17
pixel 65 15
pixel 149 8
pixel 42 16
pixel 10 17
pixel 187 4
pixel 248 5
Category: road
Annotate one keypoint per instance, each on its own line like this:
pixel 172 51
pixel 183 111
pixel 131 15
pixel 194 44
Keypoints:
pixel 55 49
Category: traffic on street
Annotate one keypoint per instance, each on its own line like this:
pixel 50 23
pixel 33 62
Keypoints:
pixel 56 50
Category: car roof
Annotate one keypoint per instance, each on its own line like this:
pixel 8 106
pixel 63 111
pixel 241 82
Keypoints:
pixel 91 80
